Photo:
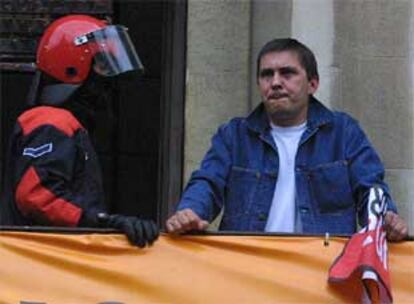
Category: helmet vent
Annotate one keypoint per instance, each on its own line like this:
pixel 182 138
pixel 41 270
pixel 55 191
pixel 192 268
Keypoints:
pixel 71 71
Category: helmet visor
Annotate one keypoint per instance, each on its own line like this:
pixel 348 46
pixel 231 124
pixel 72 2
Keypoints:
pixel 114 51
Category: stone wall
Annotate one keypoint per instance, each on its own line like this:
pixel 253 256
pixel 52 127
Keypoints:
pixel 218 57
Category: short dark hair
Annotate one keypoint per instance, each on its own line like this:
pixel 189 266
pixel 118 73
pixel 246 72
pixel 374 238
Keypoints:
pixel 306 56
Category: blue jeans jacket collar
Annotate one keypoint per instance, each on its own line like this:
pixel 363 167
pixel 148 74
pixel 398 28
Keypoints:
pixel 318 115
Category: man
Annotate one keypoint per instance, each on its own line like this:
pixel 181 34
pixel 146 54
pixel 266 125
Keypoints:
pixel 53 176
pixel 291 166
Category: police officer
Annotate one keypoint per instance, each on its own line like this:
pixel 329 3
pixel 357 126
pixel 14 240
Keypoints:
pixel 53 176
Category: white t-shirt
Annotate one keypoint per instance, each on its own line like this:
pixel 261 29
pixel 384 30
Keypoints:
pixel 282 212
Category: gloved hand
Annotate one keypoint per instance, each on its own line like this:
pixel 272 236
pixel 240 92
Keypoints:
pixel 139 232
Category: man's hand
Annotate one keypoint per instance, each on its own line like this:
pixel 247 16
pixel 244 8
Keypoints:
pixel 395 226
pixel 185 220
pixel 139 232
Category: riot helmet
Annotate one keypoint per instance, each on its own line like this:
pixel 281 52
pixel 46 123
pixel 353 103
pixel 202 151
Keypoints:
pixel 74 46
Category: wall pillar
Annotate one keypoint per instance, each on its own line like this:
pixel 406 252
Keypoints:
pixel 218 45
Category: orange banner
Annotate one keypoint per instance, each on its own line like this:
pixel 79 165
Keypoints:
pixel 94 268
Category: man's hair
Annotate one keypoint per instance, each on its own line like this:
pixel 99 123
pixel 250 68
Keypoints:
pixel 306 56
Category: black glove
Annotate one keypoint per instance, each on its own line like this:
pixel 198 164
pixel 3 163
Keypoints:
pixel 139 232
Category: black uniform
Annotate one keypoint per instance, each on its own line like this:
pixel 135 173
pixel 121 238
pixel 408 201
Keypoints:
pixel 53 176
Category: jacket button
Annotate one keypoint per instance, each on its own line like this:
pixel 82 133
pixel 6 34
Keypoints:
pixel 262 217
pixel 304 210
pixel 257 175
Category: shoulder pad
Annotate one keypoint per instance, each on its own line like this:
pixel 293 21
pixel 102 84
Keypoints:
pixel 40 116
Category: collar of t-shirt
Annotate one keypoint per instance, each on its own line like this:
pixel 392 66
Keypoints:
pixel 292 129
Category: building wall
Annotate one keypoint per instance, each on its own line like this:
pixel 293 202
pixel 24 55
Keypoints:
pixel 365 54
pixel 218 55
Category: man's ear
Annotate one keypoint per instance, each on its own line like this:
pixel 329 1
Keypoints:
pixel 313 86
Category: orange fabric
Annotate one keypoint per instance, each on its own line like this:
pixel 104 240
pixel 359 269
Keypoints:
pixel 92 268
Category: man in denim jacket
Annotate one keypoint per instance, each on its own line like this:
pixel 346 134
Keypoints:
pixel 292 165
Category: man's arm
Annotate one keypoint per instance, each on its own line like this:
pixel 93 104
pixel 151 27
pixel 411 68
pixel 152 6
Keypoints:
pixel 204 194
pixel 366 170
pixel 45 163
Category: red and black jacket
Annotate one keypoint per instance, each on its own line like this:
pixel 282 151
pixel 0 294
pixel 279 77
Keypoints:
pixel 53 176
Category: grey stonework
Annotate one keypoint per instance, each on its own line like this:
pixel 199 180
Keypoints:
pixel 217 74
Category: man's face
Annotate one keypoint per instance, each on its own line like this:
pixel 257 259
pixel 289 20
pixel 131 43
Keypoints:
pixel 285 88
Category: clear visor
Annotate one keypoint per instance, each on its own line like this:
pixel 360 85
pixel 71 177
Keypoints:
pixel 114 51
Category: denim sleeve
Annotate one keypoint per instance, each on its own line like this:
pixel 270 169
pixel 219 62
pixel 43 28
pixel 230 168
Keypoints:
pixel 204 193
pixel 366 169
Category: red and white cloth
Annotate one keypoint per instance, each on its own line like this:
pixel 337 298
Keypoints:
pixel 365 256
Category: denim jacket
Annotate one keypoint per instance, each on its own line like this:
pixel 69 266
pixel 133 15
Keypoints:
pixel 335 165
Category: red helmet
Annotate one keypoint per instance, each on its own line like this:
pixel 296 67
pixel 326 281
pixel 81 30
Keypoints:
pixel 71 45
